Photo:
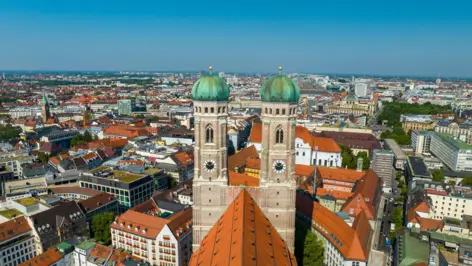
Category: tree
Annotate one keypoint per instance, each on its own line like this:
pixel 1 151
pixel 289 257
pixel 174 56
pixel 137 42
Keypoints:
pixel 397 216
pixel 43 157
pixel 101 226
pixel 313 254
pixel 87 136
pixel 171 181
pixel 8 132
pixel 438 176
pixel 467 181
pixel 308 248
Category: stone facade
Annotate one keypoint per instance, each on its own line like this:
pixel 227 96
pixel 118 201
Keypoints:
pixel 277 191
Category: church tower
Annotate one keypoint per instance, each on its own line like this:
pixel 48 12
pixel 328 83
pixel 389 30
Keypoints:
pixel 279 96
pixel 210 98
pixel 45 114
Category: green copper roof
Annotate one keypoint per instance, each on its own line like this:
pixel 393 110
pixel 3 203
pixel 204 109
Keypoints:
pixel 351 97
pixel 44 100
pixel 210 88
pixel 280 89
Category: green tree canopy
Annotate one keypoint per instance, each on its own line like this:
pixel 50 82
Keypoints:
pixel 438 176
pixel 101 226
pixel 43 157
pixel 350 160
pixel 8 132
pixel 467 181
pixel 309 249
pixel 393 110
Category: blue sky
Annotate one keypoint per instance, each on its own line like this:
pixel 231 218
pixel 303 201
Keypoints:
pixel 415 37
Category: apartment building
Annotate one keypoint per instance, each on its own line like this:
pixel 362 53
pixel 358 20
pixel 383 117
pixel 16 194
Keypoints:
pixel 128 188
pixel 455 154
pixel 449 202
pixel 16 242
pixel 155 235
pixel 417 122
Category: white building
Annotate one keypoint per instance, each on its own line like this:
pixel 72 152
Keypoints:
pixel 360 89
pixel 309 150
pixel 148 235
pixel 421 141
pixel 455 154
pixel 16 242
pixel 452 204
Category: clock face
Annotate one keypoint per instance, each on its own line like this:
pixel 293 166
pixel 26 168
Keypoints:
pixel 278 166
pixel 210 165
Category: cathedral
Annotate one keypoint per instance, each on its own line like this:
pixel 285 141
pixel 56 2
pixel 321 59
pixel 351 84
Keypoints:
pixel 213 187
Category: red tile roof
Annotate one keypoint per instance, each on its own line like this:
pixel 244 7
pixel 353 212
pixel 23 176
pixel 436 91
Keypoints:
pixel 149 226
pixel 256 133
pixel 239 159
pixel 342 195
pixel 237 179
pixel 253 163
pixel 50 257
pixel 340 174
pixel 13 228
pixel 185 158
pixel 243 236
pixel 353 242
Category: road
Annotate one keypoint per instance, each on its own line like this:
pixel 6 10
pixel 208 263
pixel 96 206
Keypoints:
pixel 386 215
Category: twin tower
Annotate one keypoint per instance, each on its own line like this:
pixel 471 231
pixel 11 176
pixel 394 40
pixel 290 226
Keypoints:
pixel 212 192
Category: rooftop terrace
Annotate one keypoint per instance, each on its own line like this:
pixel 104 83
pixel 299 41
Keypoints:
pixel 108 172
pixel 27 201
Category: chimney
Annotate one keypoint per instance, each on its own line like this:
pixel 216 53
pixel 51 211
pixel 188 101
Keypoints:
pixel 360 162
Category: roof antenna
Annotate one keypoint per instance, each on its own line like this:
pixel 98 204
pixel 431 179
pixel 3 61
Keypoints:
pixel 211 69
pixel 280 70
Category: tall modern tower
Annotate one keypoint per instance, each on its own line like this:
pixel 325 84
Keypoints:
pixel 279 96
pixel 210 97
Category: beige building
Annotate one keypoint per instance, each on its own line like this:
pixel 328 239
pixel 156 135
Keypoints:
pixel 215 186
pixel 351 105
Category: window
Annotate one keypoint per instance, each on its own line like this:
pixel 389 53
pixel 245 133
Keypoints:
pixel 209 135
pixel 279 135
pixel 212 110
pixel 277 111
pixel 206 109
pixel 283 111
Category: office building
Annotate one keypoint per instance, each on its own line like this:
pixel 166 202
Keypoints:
pixel 382 163
pixel 455 154
pixel 16 242
pixel 128 188
pixel 449 201
pixel 360 89
pixel 421 141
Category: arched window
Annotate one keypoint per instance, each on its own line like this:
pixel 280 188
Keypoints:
pixel 212 110
pixel 270 110
pixel 266 111
pixel 209 134
pixel 219 110
pixel 277 111
pixel 199 109
pixel 279 135
pixel 206 110
pixel 283 111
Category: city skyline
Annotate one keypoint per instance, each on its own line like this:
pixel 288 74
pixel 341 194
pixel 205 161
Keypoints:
pixel 368 38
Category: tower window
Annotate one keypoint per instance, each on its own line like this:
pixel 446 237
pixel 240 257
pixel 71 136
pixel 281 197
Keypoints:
pixel 209 135
pixel 212 110
pixel 206 110
pixel 266 110
pixel 270 110
pixel 279 135
pixel 219 110
pixel 283 111
pixel 277 111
